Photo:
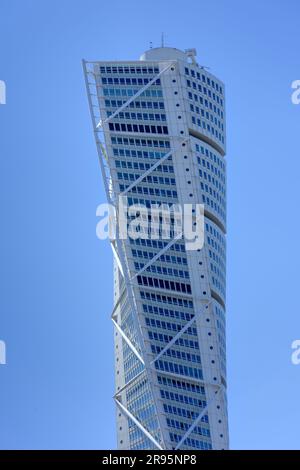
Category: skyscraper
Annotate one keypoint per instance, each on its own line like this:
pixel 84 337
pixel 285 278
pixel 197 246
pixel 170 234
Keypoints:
pixel 159 125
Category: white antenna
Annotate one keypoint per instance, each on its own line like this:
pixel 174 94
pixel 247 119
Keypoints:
pixel 162 40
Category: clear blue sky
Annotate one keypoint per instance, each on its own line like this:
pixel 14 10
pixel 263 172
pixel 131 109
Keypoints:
pixel 56 276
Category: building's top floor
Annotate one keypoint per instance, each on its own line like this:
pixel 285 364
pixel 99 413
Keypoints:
pixel 150 61
pixel 169 53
